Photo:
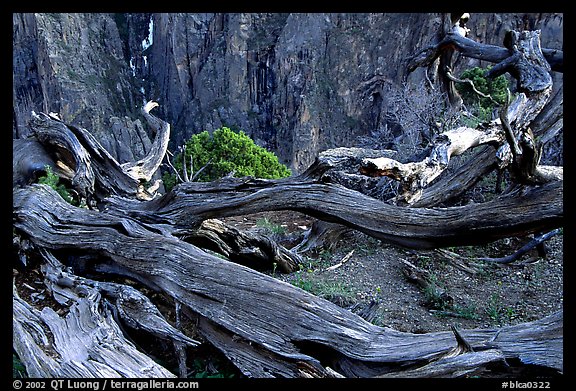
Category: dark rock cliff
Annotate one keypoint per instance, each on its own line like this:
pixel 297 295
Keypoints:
pixel 296 83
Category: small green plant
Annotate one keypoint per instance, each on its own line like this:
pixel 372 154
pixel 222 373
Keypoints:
pixel 435 295
pixel 226 152
pixel 200 370
pixel 435 298
pixel 334 291
pixel 303 283
pixel 480 106
pixel 18 369
pixel 497 312
pixel 466 312
pixel 53 180
pixel 273 228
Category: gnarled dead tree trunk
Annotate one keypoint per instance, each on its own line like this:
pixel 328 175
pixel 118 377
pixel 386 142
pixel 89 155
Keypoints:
pixel 517 146
pixel 93 258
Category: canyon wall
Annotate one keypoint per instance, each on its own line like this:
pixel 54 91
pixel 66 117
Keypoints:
pixel 296 83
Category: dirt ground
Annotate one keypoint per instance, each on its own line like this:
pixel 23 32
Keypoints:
pixel 366 276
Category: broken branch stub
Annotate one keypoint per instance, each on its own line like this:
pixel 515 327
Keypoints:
pixel 415 176
pixel 144 169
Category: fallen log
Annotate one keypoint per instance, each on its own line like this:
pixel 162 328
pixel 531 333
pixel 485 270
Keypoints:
pixel 85 342
pixel 187 205
pixel 256 251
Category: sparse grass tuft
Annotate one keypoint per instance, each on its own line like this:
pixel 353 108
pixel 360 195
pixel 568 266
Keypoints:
pixel 334 291
pixel 272 228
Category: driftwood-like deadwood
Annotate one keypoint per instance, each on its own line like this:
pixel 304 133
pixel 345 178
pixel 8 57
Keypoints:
pixel 187 205
pixel 93 172
pixel 29 162
pixel 266 327
pixel 145 168
pixel 85 340
pixel 545 126
pixel 415 176
pixel 256 251
pixel 524 60
pixel 472 49
pixel 98 173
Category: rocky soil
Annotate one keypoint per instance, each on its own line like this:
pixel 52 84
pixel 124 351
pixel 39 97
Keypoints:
pixel 366 276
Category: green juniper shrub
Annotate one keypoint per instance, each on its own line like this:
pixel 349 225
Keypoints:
pixel 226 152
pixel 480 106
pixel 53 180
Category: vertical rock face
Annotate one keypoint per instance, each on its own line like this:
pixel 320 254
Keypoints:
pixel 296 83
pixel 74 65
pixel 34 84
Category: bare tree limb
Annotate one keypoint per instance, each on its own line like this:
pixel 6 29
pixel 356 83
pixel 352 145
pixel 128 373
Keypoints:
pixel 144 168
pixel 539 239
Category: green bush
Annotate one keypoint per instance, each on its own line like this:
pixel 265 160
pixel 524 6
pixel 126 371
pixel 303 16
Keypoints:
pixel 497 88
pixel 18 369
pixel 53 180
pixel 224 152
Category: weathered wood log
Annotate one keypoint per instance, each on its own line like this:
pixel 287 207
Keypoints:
pixel 131 306
pixel 106 176
pixel 525 62
pixel 96 173
pixel 266 327
pixel 188 204
pixel 482 162
pixel 29 161
pixel 253 359
pixel 85 337
pixel 85 342
pixel 466 364
pixel 415 176
pixel 253 250
pixel 545 127
pixel 549 120
pixel 472 49
pixel 67 149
